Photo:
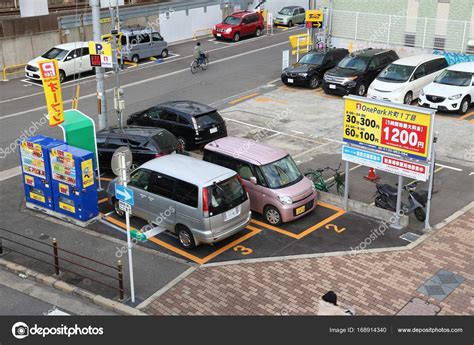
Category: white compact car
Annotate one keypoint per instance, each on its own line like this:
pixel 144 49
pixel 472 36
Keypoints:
pixel 403 80
pixel 73 58
pixel 452 90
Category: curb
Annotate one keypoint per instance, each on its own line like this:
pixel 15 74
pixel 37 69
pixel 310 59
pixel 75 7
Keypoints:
pixel 70 289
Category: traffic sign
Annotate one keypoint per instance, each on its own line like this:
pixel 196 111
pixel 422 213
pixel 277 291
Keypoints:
pixel 115 163
pixel 125 207
pixel 124 194
pixel 314 18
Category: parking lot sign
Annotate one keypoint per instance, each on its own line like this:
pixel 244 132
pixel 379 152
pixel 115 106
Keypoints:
pixel 124 194
pixel 100 54
pixel 314 18
pixel 401 130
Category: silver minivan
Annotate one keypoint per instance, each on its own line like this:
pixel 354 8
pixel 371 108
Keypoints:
pixel 198 201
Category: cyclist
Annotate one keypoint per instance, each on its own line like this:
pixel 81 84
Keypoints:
pixel 199 55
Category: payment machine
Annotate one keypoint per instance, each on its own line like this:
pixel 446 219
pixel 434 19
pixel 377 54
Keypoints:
pixel 73 182
pixel 35 167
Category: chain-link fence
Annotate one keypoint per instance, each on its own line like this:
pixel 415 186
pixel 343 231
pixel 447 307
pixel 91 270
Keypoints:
pixel 399 29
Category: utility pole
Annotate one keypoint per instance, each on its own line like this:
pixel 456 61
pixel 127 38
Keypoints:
pixel 119 103
pixel 99 75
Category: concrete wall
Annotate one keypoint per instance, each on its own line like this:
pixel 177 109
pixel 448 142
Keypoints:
pixel 274 6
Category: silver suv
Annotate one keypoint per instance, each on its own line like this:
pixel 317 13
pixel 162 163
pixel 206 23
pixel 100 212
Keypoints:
pixel 140 43
pixel 198 201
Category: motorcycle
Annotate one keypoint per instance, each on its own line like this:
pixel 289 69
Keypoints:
pixel 386 198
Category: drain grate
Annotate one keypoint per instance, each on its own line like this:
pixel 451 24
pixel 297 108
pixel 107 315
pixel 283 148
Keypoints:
pixel 441 285
pixel 409 236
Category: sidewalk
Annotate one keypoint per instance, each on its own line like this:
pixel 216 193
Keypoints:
pixel 374 283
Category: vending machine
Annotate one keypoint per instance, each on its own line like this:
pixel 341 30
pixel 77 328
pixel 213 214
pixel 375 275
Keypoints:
pixel 35 167
pixel 74 182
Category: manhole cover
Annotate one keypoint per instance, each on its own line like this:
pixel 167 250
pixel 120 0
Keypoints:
pixel 435 290
pixel 418 306
pixel 447 278
pixel 409 236
pixel 440 285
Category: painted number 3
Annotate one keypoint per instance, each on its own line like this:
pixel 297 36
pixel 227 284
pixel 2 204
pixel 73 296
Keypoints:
pixel 243 250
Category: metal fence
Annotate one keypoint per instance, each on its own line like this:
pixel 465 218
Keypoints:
pixel 399 29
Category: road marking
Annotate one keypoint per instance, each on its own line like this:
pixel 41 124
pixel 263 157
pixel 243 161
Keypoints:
pixel 297 132
pixel 269 100
pixel 448 167
pixel 240 99
pixel 101 201
pixel 466 115
pixel 7 174
pixel 309 150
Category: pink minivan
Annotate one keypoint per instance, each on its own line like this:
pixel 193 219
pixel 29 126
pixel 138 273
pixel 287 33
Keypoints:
pixel 277 188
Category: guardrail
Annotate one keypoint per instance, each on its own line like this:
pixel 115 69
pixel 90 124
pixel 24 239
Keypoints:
pixel 206 32
pixel 13 67
pixel 59 261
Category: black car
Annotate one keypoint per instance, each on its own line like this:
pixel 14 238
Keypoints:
pixel 194 124
pixel 356 71
pixel 145 143
pixel 309 71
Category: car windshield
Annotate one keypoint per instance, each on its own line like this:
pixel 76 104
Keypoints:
pixel 357 63
pixel 456 78
pixel 55 53
pixel 231 20
pixel 286 11
pixel 208 120
pixel 396 73
pixel 281 173
pixel 165 141
pixel 312 59
pixel 225 195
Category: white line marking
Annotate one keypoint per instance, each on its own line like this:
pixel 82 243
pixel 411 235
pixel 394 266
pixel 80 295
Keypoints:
pixel 448 167
pixel 310 150
pixel 297 132
pixel 7 174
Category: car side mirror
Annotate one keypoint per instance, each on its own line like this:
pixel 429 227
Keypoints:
pixel 253 180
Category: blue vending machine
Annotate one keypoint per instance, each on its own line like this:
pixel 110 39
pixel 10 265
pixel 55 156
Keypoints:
pixel 74 183
pixel 35 167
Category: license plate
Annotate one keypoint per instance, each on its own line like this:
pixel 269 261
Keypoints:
pixel 290 80
pixel 213 130
pixel 332 86
pixel 300 210
pixel 232 213
pixel 219 35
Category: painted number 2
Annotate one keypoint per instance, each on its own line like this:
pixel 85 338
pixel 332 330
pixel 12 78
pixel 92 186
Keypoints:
pixel 335 228
pixel 243 250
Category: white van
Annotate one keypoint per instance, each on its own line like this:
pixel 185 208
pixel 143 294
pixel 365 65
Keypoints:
pixel 403 80
pixel 73 58
pixel 452 90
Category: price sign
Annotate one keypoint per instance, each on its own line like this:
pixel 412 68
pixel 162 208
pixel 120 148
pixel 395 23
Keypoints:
pixel 400 130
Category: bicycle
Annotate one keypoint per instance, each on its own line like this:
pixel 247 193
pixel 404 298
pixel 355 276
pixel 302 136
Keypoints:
pixel 320 183
pixel 195 65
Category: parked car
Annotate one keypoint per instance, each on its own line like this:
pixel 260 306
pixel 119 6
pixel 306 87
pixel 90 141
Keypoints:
pixel 194 124
pixel 198 201
pixel 290 15
pixel 239 24
pixel 73 58
pixel 356 71
pixel 277 188
pixel 139 42
pixel 146 143
pixel 403 80
pixel 452 90
pixel 309 71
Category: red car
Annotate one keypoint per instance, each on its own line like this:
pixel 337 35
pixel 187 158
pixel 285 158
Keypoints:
pixel 239 24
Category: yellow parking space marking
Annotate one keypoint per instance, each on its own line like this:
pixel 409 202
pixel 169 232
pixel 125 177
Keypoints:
pixel 101 201
pixel 268 100
pixel 182 252
pixel 131 64
pixel 243 98
pixel 105 179
pixel 306 232
pixel 465 116
pixel 152 58
pixel 472 121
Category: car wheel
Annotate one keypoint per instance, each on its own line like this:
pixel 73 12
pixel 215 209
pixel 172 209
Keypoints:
pixel 164 53
pixel 62 76
pixel 182 144
pixel 408 98
pixel 290 24
pixel 464 107
pixel 117 210
pixel 313 82
pixel 272 215
pixel 185 237
pixel 135 58
pixel 361 89
pixel 237 37
pixel 258 32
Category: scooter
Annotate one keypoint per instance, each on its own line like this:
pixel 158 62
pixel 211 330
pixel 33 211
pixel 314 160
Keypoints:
pixel 386 198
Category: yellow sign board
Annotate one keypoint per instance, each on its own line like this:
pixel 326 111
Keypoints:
pixel 87 173
pixel 314 15
pixel 391 129
pixel 37 197
pixel 52 90
pixel 67 207
pixel 103 52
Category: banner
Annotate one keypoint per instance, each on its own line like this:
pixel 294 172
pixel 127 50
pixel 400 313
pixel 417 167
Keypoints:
pixel 394 129
pixel 52 90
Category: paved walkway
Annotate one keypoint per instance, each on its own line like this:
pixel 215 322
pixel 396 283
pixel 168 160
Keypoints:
pixel 374 284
